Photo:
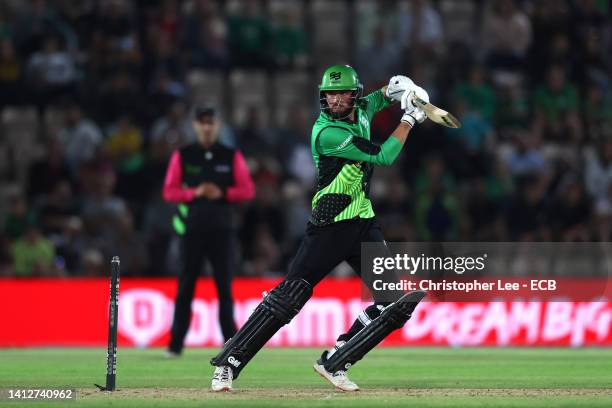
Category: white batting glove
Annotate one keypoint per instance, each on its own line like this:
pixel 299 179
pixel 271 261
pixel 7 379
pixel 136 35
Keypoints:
pixel 406 98
pixel 412 114
pixel 397 86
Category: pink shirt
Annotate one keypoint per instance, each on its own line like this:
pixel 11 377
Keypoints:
pixel 174 191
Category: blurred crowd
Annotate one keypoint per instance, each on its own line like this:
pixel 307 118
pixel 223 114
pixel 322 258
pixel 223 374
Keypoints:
pixel 96 94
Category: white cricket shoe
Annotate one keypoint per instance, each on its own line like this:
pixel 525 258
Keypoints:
pixel 339 379
pixel 222 379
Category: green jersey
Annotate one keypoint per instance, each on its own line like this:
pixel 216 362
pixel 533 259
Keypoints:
pixel 345 159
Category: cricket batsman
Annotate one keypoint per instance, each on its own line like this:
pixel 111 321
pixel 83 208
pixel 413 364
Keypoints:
pixel 342 218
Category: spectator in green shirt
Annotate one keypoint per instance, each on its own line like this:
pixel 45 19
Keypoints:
pixel 18 218
pixel 290 41
pixel 556 108
pixel 477 94
pixel 249 37
pixel 33 254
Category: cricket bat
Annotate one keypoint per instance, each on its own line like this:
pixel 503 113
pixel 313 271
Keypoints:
pixel 436 114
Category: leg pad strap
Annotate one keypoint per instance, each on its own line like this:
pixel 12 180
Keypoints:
pixel 392 318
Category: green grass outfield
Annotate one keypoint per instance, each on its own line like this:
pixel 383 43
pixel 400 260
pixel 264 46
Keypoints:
pixel 389 377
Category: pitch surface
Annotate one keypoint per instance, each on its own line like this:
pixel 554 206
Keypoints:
pixel 389 377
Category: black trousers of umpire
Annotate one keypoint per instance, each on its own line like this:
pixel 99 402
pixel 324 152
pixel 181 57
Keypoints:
pixel 219 247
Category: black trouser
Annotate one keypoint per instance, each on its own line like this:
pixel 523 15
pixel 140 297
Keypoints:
pixel 218 247
pixel 323 248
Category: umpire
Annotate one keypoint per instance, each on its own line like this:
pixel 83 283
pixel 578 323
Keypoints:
pixel 205 178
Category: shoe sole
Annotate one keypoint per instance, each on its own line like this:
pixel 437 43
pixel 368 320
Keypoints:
pixel 224 389
pixel 319 369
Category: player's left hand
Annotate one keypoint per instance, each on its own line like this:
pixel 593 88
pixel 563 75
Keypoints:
pixel 397 86
pixel 413 114
pixel 213 192
pixel 406 98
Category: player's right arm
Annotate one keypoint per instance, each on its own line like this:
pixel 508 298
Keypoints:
pixel 339 142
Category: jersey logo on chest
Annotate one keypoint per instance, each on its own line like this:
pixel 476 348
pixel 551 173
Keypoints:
pixel 191 169
pixel 223 168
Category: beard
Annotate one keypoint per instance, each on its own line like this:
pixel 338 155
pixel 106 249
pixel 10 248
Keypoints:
pixel 342 109
pixel 339 111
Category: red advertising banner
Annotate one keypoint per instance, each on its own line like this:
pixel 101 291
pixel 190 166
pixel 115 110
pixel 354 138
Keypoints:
pixel 74 312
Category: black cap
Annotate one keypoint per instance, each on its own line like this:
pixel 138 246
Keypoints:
pixel 202 111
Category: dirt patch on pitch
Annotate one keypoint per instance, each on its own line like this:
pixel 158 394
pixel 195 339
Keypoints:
pixel 315 393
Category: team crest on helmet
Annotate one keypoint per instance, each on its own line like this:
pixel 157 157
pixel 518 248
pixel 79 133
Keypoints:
pixel 335 76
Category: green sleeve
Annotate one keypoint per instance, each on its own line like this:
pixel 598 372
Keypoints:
pixel 339 142
pixel 572 98
pixel 376 102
